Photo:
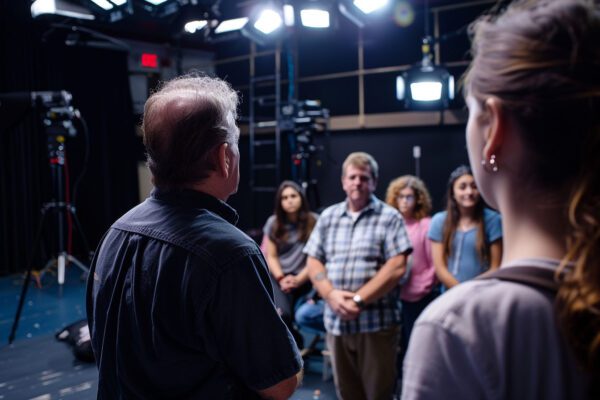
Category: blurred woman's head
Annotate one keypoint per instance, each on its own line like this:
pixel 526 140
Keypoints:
pixel 409 195
pixel 533 91
pixel 291 205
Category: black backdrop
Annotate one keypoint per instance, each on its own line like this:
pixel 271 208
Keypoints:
pixel 98 80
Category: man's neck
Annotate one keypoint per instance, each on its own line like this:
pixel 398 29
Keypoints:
pixel 210 187
pixel 357 206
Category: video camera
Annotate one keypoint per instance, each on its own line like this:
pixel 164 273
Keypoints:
pixel 54 107
pixel 58 114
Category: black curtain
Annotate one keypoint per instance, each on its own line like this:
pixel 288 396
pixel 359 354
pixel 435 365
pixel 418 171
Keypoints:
pixel 35 58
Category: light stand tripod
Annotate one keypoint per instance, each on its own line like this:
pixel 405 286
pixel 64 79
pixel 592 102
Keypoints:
pixel 58 124
pixel 305 118
pixel 302 160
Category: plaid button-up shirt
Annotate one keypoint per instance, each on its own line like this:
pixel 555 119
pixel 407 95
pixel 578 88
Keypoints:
pixel 353 251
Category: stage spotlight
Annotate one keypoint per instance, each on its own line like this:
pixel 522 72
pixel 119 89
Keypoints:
pixel 425 85
pixel 161 8
pixel 360 12
pixel 368 6
pixel 60 7
pixel 268 21
pixel 230 25
pixel 103 4
pixel 315 14
pixel 314 18
pixel 192 18
pixel 194 26
pixel 288 15
pixel 111 10
pixel 265 25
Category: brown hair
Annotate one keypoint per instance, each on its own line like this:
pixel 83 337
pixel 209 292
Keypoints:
pixel 361 160
pixel 184 122
pixel 542 60
pixel 422 197
pixel 306 221
pixel 453 216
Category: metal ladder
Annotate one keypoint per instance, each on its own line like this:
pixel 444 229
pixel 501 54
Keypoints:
pixel 267 164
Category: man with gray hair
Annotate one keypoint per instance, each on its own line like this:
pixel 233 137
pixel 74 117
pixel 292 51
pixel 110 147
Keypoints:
pixel 179 300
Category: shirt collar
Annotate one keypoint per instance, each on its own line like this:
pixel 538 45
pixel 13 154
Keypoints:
pixel 196 199
pixel 373 204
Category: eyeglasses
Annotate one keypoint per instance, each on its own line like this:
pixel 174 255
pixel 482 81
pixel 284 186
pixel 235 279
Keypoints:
pixel 409 198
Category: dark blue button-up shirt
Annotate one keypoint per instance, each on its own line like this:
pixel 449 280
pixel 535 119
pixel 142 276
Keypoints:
pixel 180 305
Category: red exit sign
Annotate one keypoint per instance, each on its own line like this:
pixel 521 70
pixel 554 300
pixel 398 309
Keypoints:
pixel 149 60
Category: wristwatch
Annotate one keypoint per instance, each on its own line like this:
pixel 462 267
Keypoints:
pixel 359 301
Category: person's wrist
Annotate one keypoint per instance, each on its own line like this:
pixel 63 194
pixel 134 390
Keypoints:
pixel 279 278
pixel 326 297
pixel 357 299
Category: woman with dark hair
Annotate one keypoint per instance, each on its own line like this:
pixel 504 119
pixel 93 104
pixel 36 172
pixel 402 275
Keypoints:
pixel 286 233
pixel 467 237
pixel 530 330
pixel 409 195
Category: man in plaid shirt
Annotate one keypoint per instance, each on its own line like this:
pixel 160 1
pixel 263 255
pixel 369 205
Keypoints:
pixel 356 257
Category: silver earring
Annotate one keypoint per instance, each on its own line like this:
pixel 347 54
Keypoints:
pixel 493 164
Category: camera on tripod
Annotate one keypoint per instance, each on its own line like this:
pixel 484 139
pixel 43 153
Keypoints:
pixel 58 114
pixel 305 118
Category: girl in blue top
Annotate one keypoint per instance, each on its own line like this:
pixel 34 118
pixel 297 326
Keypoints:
pixel 466 239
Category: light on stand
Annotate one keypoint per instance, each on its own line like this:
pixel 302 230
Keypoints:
pixel 425 85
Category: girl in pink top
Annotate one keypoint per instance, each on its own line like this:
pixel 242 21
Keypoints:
pixel 409 195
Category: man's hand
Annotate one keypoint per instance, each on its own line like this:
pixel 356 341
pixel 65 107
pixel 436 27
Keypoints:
pixel 342 304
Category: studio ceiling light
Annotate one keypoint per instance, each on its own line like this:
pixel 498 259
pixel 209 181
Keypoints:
pixel 361 12
pixel 194 26
pixel 288 15
pixel 103 4
pixel 156 2
pixel 368 6
pixel 60 7
pixel 268 21
pixel 266 25
pixel 230 25
pixel 110 10
pixel 314 18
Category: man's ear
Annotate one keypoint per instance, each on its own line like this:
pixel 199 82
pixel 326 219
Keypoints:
pixel 223 160
pixel 496 129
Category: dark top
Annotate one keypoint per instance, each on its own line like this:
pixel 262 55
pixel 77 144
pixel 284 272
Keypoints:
pixel 180 305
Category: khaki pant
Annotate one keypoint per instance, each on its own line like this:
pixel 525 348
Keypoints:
pixel 364 364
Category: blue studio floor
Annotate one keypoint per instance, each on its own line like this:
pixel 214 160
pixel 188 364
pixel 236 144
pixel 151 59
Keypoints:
pixel 37 366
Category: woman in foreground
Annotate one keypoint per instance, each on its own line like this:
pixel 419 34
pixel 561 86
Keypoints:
pixel 533 92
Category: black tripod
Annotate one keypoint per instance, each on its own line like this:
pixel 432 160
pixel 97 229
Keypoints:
pixel 63 210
